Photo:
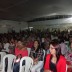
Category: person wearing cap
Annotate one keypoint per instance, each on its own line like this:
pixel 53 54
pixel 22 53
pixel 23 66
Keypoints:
pixel 55 61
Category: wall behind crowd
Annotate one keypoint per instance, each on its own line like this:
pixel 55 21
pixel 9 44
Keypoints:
pixel 8 25
pixel 56 23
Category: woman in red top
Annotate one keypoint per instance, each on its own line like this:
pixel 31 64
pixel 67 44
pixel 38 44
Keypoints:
pixel 20 51
pixel 55 62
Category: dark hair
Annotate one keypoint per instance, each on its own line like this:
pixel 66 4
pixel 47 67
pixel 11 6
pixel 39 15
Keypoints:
pixel 24 43
pixel 55 43
pixel 61 40
pixel 38 45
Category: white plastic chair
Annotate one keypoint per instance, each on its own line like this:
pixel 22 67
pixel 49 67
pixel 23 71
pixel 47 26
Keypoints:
pixel 10 59
pixel 29 49
pixel 2 54
pixel 6 47
pixel 44 55
pixel 26 64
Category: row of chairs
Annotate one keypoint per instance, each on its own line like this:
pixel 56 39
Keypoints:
pixel 3 62
pixel 2 54
pixel 7 66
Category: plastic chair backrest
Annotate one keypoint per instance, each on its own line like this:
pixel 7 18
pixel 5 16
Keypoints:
pixel 2 54
pixel 44 54
pixel 26 64
pixel 8 63
pixel 29 49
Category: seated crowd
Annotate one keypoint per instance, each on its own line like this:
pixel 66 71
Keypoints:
pixel 57 46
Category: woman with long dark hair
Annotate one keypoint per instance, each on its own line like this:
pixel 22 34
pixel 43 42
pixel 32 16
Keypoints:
pixel 37 55
pixel 55 61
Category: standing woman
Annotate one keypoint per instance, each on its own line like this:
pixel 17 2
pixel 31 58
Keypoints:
pixel 37 55
pixel 55 62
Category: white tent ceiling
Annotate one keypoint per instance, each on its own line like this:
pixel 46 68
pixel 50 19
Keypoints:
pixel 24 10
